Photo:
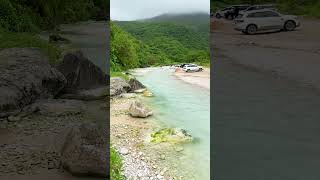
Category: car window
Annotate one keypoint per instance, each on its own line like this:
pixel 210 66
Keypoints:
pixel 271 14
pixel 256 15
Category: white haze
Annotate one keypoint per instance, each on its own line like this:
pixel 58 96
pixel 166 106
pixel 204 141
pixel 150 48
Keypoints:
pixel 127 10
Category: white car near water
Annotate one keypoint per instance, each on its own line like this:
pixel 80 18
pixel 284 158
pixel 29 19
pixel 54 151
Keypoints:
pixel 192 68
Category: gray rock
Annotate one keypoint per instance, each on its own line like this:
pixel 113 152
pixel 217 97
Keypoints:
pixel 84 152
pixel 56 38
pixel 124 151
pixel 140 90
pixel 135 85
pixel 137 109
pixel 118 86
pixel 81 73
pixel 59 107
pixel 128 95
pixel 88 95
pixel 179 149
pixel 25 76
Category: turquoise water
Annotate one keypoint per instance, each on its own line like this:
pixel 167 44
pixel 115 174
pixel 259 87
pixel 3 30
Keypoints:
pixel 179 104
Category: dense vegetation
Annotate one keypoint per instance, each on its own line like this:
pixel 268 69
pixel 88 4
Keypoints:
pixel 32 15
pixel 14 39
pixel 298 7
pixel 161 40
pixel 21 20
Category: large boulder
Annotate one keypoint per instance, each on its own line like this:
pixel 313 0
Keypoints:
pixel 135 85
pixel 81 73
pixel 59 107
pixel 85 151
pixel 98 93
pixel 137 109
pixel 118 86
pixel 56 38
pixel 25 76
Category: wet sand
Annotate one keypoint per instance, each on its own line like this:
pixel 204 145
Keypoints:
pixel 201 79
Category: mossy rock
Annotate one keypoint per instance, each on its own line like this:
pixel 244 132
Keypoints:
pixel 171 135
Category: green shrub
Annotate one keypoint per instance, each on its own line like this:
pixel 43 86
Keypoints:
pixel 115 165
pixel 13 39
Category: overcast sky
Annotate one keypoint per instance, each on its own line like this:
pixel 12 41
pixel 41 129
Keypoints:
pixel 126 10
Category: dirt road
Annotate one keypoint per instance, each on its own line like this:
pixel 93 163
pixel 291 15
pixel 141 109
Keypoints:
pixel 265 121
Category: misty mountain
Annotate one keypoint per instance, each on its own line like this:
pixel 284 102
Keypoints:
pixel 198 21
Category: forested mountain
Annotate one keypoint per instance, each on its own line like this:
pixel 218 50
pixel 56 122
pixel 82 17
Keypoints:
pixel 198 21
pixel 167 39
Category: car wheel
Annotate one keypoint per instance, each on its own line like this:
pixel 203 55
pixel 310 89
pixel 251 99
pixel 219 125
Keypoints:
pixel 218 16
pixel 188 70
pixel 289 26
pixel 244 32
pixel 251 29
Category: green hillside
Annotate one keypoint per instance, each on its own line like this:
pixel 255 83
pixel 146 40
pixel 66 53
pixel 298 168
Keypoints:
pixel 33 15
pixel 161 40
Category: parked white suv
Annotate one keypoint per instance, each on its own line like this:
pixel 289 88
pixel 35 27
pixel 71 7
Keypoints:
pixel 192 67
pixel 259 7
pixel 264 20
pixel 221 13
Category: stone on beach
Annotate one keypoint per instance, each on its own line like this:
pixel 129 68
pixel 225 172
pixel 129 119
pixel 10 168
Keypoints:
pixel 26 76
pixel 137 109
pixel 172 135
pixel 135 85
pixel 118 86
pixel 124 151
pixel 81 73
pixel 59 107
pixel 84 151
pixel 140 90
pixel 128 95
pixel 147 93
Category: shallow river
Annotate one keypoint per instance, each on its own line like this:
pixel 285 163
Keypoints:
pixel 91 38
pixel 182 105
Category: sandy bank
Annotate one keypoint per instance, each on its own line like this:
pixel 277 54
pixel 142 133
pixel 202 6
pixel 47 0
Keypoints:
pixel 201 79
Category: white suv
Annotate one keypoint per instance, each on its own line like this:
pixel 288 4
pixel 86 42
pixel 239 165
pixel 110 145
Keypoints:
pixel 263 20
pixel 192 67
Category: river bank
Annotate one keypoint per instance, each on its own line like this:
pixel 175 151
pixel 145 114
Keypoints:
pixel 133 134
pixel 42 108
pixel 201 79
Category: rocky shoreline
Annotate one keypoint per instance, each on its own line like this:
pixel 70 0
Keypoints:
pixel 49 116
pixel 131 136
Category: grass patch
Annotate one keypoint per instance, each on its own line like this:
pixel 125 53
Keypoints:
pixel 115 165
pixel 119 74
pixel 23 40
